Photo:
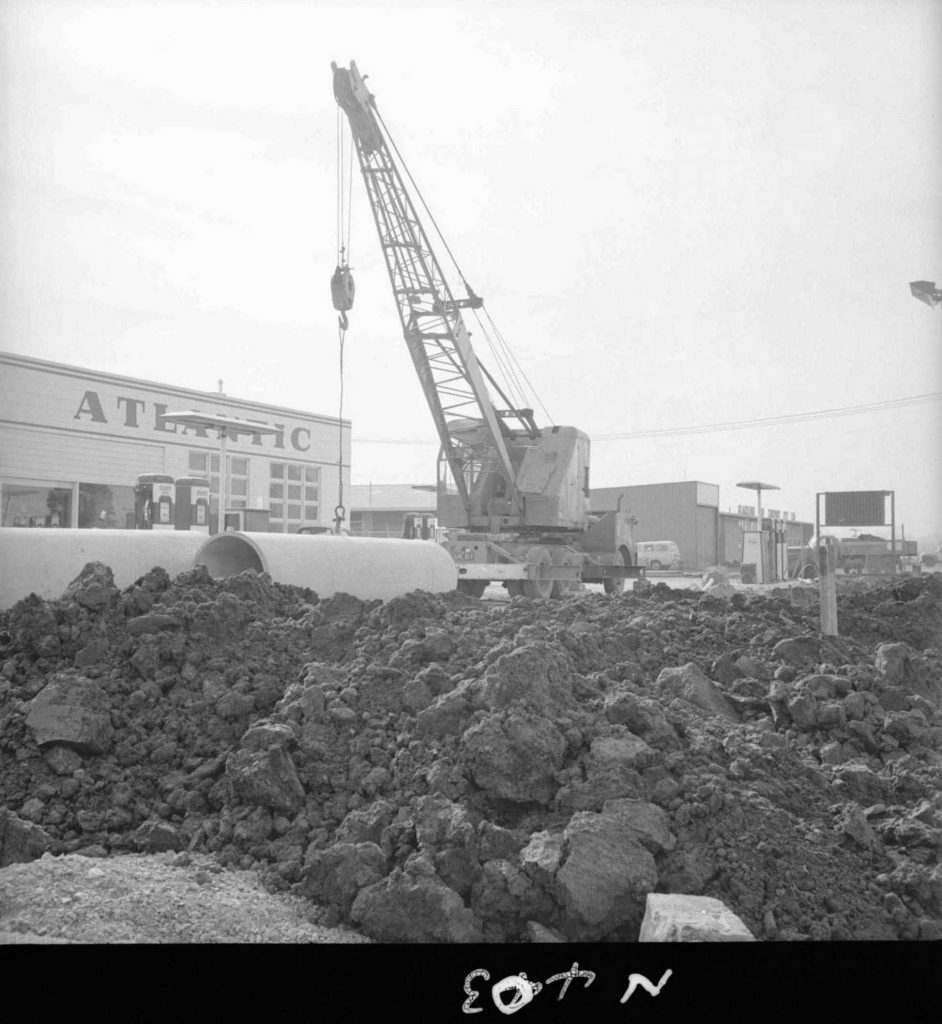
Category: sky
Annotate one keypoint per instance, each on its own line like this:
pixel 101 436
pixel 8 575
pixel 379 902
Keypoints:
pixel 680 215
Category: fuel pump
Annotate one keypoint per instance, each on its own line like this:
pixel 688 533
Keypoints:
pixel 154 496
pixel 191 511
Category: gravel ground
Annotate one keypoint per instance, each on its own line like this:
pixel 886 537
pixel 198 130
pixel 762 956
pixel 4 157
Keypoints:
pixel 161 898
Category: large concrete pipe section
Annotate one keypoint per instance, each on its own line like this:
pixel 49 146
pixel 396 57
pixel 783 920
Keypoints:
pixel 365 567
pixel 45 562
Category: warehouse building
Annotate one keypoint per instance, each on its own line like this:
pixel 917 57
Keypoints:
pixel 74 441
pixel 686 513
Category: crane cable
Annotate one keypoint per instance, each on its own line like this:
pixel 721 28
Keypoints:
pixel 342 290
pixel 340 513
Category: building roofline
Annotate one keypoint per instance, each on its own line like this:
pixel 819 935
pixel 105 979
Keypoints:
pixel 27 361
pixel 663 483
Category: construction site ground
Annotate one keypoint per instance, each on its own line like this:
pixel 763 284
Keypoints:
pixel 199 760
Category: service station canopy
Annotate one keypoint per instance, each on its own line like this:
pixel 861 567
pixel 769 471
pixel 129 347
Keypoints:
pixel 227 425
pixel 757 485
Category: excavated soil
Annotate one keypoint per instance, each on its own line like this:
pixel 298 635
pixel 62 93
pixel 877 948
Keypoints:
pixel 443 769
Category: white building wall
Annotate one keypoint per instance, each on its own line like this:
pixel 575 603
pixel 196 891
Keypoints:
pixel 63 425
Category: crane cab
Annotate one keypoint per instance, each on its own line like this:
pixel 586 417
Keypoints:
pixel 550 490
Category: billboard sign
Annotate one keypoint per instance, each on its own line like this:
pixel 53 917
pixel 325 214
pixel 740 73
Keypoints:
pixel 855 508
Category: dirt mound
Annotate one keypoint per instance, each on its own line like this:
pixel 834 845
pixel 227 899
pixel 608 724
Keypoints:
pixel 443 769
pixel 166 898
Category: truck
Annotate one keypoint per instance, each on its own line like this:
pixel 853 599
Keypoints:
pixel 512 496
pixel 863 553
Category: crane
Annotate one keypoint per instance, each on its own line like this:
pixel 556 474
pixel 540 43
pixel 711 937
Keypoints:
pixel 514 495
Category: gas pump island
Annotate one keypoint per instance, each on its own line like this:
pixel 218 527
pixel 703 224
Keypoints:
pixel 764 558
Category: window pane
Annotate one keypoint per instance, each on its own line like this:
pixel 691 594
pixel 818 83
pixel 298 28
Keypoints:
pixel 238 485
pixel 310 494
pixel 100 505
pixel 214 483
pixel 294 472
pixel 277 471
pixel 214 463
pixel 198 462
pixel 294 491
pixel 310 512
pixel 294 511
pixel 239 466
pixel 25 505
pixel 276 510
pixel 312 474
pixel 276 490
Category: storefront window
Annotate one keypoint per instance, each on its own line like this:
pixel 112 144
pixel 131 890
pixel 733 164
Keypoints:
pixel 33 506
pixel 103 507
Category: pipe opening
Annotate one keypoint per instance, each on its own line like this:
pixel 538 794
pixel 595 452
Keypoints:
pixel 225 556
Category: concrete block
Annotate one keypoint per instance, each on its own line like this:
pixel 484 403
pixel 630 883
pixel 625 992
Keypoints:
pixel 670 917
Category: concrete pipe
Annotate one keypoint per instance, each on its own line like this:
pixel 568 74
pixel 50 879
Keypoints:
pixel 45 562
pixel 365 567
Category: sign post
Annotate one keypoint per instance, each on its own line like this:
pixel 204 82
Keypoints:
pixel 827 562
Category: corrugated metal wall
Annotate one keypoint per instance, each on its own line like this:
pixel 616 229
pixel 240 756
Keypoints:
pixel 706 536
pixel 730 547
pixel 664 512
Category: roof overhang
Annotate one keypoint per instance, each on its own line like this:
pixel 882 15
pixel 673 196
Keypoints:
pixel 757 485
pixel 230 424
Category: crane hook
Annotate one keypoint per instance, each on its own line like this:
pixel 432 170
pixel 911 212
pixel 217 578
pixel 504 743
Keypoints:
pixel 341 291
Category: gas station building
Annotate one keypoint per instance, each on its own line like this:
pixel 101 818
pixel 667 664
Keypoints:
pixel 74 441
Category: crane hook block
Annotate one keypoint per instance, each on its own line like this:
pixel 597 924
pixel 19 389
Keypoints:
pixel 342 289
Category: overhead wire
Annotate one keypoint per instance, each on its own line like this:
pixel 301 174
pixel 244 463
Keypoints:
pixel 771 421
pixel 707 428
pixel 519 367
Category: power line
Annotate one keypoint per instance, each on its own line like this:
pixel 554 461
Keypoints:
pixel 709 428
pixel 772 421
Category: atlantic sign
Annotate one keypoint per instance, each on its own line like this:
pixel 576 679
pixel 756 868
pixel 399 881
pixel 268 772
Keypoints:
pixel 138 414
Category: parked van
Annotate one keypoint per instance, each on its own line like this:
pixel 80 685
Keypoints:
pixel 658 554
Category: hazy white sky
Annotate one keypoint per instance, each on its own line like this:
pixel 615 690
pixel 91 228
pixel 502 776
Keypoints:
pixel 679 214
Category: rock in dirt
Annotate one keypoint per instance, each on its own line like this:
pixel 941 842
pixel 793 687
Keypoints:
pixel 94 588
pixel 514 757
pixel 690 684
pixel 605 876
pixel 414 905
pixel 72 711
pixel 22 841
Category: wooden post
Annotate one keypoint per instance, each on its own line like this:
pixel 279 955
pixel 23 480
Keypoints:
pixel 827 560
